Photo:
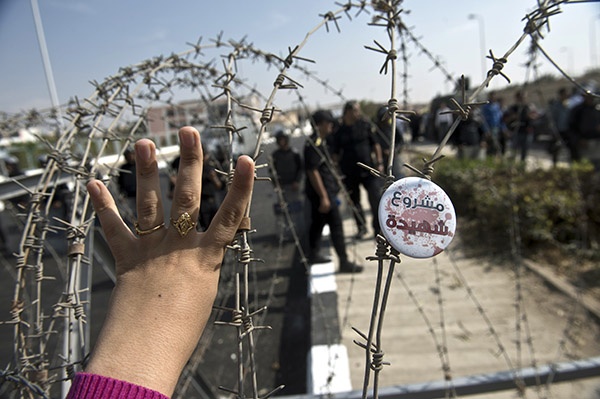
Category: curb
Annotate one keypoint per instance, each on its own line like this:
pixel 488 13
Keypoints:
pixel 558 282
pixel 328 369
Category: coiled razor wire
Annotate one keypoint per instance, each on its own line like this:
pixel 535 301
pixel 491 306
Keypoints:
pixel 93 127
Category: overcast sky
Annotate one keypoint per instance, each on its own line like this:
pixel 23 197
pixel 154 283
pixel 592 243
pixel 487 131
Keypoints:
pixel 90 40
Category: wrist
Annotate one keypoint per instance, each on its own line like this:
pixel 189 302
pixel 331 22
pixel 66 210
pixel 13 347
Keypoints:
pixel 88 385
pixel 137 346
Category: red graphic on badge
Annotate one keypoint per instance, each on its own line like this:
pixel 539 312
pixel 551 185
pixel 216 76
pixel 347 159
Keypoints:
pixel 417 217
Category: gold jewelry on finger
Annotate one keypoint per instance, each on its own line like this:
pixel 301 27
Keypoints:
pixel 183 224
pixel 141 232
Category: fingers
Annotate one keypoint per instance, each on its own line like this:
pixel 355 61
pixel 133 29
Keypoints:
pixel 186 197
pixel 148 198
pixel 227 220
pixel 117 233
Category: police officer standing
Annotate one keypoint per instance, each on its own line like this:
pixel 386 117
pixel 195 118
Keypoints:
pixel 321 190
pixel 355 141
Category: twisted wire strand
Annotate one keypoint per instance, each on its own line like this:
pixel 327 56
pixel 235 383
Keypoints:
pixel 104 103
pixel 439 346
pixel 535 22
pixel 521 316
pixel 445 356
pixel 571 322
pixel 317 299
pixel 348 298
pixel 387 18
pixel 245 259
pixel 331 165
pixel 516 254
pixel 287 62
pixel 243 316
pixel 501 348
pixel 279 79
pixel 78 312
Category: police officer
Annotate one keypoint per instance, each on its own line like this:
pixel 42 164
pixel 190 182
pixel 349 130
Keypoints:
pixel 321 190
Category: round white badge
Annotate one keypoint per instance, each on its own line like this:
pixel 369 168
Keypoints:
pixel 417 217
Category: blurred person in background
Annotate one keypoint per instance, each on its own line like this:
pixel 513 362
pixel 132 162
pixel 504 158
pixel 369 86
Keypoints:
pixel 584 125
pixel 13 169
pixel 62 199
pixel 288 167
pixel 442 122
pixel 558 108
pixel 493 125
pixel 415 126
pixel 383 122
pixel 519 119
pixel 469 138
pixel 126 181
pixel 356 141
pixel 321 190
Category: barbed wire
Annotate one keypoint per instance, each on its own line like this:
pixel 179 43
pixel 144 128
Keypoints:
pixel 535 22
pixel 521 318
pixel 113 100
pixel 440 347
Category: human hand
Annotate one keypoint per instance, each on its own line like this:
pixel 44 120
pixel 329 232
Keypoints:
pixel 166 281
pixel 324 205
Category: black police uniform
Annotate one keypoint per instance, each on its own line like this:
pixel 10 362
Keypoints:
pixel 315 155
pixel 354 143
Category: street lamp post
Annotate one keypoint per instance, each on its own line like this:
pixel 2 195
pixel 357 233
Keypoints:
pixel 46 59
pixel 479 19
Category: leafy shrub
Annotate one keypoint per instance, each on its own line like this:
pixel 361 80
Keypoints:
pixel 505 205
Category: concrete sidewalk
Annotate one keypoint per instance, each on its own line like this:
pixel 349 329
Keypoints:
pixel 450 317
pixel 468 307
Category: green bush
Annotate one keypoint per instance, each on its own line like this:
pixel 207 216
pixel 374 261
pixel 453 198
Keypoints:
pixel 504 204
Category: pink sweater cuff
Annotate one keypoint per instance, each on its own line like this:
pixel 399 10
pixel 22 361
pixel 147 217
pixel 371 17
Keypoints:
pixel 86 385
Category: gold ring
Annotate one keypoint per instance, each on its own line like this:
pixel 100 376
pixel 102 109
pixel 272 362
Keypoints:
pixel 183 224
pixel 141 232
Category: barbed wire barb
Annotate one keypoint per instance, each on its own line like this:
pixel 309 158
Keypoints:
pixel 79 151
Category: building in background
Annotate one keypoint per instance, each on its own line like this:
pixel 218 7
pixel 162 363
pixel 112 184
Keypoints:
pixel 164 122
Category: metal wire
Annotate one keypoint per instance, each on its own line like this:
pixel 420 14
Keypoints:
pixel 96 120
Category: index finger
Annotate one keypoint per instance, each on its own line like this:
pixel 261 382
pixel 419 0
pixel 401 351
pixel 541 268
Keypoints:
pixel 226 222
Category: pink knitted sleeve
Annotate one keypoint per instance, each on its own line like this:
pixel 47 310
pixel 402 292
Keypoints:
pixel 86 385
